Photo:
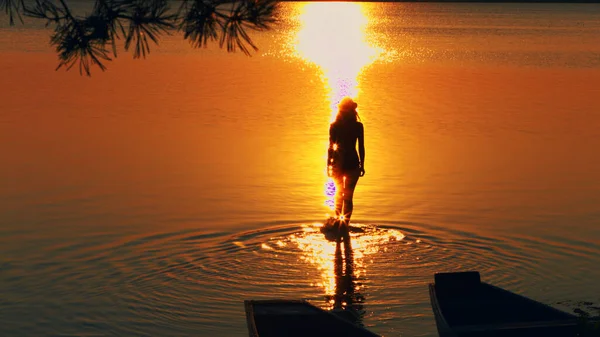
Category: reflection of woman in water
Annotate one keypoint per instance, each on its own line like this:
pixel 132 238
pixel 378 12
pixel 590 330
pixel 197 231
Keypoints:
pixel 347 301
pixel 344 164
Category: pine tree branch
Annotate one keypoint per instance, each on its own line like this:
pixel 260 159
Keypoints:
pixel 88 40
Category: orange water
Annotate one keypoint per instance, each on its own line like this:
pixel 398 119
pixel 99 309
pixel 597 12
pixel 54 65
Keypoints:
pixel 157 196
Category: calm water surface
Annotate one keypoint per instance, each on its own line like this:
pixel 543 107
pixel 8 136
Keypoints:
pixel 152 199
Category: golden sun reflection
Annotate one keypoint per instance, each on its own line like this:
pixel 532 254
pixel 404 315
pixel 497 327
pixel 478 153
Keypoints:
pixel 333 36
pixel 319 252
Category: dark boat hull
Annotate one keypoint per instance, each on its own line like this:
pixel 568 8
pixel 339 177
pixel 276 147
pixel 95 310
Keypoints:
pixel 464 306
pixel 294 318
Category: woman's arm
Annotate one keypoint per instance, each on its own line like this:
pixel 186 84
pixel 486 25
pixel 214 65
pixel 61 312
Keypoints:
pixel 361 148
pixel 330 151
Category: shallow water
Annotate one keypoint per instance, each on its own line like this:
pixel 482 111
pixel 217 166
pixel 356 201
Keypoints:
pixel 154 198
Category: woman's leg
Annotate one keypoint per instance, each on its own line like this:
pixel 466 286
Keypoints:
pixel 349 184
pixel 338 179
pixel 345 183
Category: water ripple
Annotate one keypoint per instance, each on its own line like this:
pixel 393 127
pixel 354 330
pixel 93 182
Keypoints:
pixel 199 279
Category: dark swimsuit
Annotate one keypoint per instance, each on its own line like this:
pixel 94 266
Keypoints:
pixel 345 135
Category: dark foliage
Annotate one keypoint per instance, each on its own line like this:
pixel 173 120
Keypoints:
pixel 12 8
pixel 91 39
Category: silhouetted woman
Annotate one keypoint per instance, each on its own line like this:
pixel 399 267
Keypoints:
pixel 345 164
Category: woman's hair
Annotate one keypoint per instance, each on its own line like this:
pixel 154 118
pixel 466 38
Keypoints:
pixel 347 111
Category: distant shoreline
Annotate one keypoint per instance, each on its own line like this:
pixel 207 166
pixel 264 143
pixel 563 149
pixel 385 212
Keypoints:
pixel 462 1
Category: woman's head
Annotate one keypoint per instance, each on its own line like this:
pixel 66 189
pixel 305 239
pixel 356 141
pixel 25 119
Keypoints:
pixel 347 110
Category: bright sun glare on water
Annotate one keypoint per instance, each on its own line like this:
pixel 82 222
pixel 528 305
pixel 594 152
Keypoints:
pixel 319 252
pixel 333 37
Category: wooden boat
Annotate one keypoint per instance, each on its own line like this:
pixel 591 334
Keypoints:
pixel 464 306
pixel 292 318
